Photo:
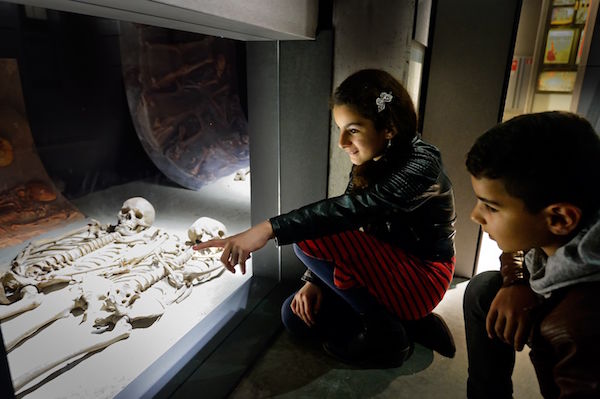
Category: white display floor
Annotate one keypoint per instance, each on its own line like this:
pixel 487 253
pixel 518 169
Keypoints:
pixel 154 349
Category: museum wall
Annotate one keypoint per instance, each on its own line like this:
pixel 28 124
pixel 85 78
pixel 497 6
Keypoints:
pixel 589 100
pixel 368 34
pixel 305 86
pixel 471 53
pixel 289 84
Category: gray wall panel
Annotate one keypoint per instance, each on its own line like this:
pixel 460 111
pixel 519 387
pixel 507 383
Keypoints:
pixel 368 34
pixel 471 52
pixel 234 19
pixel 289 84
pixel 589 99
pixel 263 129
pixel 305 87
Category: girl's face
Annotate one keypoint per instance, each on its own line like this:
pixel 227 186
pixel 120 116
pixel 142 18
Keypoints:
pixel 358 136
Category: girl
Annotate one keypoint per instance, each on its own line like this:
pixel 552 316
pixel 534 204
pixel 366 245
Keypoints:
pixel 380 257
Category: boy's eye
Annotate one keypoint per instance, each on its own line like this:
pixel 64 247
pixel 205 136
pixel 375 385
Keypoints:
pixel 352 131
pixel 490 209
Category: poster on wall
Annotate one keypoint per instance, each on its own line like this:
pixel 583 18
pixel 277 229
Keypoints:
pixel 582 12
pixel 558 46
pixel 562 15
pixel 557 81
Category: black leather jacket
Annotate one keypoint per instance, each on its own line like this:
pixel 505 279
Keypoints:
pixel 410 204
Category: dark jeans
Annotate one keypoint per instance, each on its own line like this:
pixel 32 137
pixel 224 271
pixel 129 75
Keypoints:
pixel 491 361
pixel 340 309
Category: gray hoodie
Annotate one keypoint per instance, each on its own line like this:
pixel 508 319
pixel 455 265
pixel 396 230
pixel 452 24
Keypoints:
pixel 578 261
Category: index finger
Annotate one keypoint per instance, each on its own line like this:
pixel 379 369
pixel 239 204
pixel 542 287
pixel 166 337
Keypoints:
pixel 220 243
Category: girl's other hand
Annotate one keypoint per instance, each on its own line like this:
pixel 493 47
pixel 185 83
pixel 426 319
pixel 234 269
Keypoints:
pixel 307 302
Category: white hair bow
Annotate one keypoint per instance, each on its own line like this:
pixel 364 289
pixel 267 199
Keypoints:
pixel 382 99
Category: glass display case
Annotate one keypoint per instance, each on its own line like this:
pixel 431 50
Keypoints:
pixel 191 123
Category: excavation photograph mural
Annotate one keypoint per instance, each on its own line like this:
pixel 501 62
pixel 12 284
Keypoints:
pixel 182 90
pixel 30 204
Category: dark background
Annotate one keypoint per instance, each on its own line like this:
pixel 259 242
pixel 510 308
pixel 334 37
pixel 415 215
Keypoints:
pixel 70 68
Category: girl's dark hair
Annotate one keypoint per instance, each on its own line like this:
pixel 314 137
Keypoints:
pixel 542 158
pixel 360 92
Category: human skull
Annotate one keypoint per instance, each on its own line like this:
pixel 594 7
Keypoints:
pixel 205 229
pixel 135 215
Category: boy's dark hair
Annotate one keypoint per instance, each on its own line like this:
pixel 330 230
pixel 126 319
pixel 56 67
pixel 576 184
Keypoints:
pixel 360 91
pixel 542 158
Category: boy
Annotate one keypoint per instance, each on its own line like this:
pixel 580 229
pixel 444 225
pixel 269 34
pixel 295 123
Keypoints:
pixel 536 178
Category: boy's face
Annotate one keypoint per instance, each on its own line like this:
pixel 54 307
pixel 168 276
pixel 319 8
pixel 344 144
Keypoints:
pixel 506 219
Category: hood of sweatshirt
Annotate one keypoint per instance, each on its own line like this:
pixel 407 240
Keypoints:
pixel 578 261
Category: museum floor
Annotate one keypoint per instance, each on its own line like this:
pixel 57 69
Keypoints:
pixel 289 369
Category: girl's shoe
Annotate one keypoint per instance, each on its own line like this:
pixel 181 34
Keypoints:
pixel 432 332
pixel 382 342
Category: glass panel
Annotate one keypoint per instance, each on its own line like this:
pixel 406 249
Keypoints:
pixel 101 289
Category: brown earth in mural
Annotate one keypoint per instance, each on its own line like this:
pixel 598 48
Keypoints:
pixel 182 94
pixel 30 204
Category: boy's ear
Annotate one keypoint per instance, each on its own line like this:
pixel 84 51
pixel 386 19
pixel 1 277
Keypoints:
pixel 562 218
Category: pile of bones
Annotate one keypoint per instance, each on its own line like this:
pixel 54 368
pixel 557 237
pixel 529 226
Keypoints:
pixel 110 275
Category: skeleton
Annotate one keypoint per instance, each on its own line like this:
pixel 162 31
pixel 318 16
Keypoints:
pixel 136 214
pixel 181 267
pixel 34 266
pixel 29 299
pixel 65 347
pixel 90 248
pixel 115 275
pixel 206 228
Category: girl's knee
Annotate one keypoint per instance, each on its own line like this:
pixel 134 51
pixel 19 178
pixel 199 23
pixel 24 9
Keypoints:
pixel 286 310
pixel 298 251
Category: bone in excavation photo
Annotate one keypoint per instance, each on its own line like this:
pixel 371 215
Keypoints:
pixel 101 279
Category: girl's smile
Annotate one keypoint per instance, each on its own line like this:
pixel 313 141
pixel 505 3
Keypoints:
pixel 358 136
